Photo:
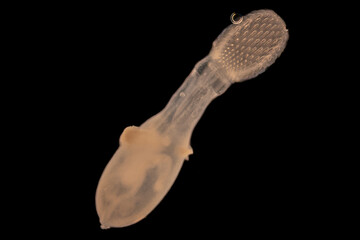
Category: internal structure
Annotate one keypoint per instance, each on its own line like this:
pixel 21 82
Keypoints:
pixel 149 157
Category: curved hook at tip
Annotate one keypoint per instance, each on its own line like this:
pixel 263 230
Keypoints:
pixel 238 16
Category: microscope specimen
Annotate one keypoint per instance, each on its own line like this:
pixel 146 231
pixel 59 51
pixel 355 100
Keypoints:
pixel 150 156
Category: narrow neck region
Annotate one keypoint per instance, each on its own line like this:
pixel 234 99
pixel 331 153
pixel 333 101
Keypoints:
pixel 189 102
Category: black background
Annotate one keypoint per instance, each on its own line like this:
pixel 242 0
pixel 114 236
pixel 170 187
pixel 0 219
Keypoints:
pixel 93 69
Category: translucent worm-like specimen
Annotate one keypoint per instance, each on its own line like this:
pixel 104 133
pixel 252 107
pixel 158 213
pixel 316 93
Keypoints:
pixel 150 157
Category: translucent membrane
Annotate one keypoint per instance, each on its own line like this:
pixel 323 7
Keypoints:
pixel 149 158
